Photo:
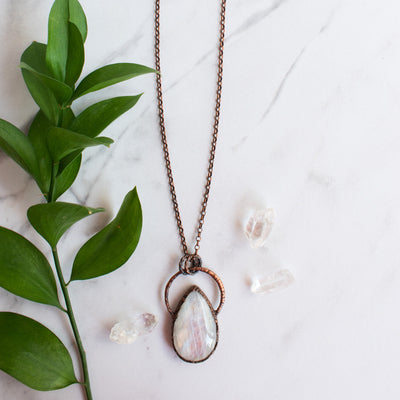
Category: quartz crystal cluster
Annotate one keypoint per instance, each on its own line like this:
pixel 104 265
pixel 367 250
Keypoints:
pixel 127 331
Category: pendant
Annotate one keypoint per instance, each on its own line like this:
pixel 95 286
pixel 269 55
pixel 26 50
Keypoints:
pixel 195 324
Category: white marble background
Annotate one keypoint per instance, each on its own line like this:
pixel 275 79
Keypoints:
pixel 310 126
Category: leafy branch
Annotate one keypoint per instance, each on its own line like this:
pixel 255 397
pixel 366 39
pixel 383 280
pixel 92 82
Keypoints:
pixel 51 153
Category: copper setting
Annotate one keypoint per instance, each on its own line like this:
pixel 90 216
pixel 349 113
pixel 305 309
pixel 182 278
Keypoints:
pixel 194 270
pixel 185 269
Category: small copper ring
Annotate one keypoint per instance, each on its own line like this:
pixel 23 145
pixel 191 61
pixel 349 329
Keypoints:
pixel 193 270
pixel 188 262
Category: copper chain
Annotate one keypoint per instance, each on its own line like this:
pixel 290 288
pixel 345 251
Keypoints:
pixel 214 136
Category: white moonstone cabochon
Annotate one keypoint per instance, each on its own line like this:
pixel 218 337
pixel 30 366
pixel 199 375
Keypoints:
pixel 195 331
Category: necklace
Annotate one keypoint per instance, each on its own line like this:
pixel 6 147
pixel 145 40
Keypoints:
pixel 195 324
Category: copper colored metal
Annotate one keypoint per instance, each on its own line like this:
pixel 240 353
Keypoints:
pixel 190 263
pixel 214 135
pixel 193 270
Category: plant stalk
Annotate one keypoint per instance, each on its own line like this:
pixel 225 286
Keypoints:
pixel 50 195
pixel 69 310
pixel 82 353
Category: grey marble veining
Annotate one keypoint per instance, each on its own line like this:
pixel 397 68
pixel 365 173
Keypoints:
pixel 309 126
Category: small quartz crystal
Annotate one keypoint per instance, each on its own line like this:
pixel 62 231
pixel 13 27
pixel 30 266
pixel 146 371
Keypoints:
pixel 258 226
pixel 123 332
pixel 272 282
pixel 127 331
pixel 144 323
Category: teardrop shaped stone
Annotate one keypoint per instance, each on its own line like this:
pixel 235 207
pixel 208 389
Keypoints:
pixel 195 330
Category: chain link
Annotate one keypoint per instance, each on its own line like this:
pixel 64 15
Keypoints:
pixel 214 135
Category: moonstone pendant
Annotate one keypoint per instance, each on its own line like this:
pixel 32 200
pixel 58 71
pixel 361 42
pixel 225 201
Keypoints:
pixel 195 325
pixel 195 328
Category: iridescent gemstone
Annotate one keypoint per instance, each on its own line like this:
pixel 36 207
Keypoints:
pixel 195 330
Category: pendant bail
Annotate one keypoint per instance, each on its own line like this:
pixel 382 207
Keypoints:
pixel 189 264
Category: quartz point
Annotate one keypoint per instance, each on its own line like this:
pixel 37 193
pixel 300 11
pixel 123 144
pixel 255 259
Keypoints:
pixel 258 226
pixel 127 331
pixel 195 329
pixel 144 323
pixel 272 282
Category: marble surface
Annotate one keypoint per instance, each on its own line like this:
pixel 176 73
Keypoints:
pixel 309 126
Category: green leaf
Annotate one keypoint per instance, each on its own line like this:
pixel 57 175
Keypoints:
pixel 62 142
pixel 38 133
pixel 17 146
pixel 33 354
pixel 42 95
pixel 78 18
pixel 35 57
pixel 110 248
pixel 61 91
pixel 52 220
pixel 38 137
pixel 109 75
pixel 25 271
pixel 64 162
pixel 92 121
pixel 57 43
pixel 67 177
pixel 76 56
pixel 67 116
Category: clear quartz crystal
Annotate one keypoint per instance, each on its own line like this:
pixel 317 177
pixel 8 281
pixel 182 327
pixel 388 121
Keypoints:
pixel 268 283
pixel 123 332
pixel 258 226
pixel 127 331
pixel 144 323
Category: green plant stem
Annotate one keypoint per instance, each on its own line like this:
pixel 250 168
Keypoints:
pixel 82 353
pixel 50 195
pixel 69 310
